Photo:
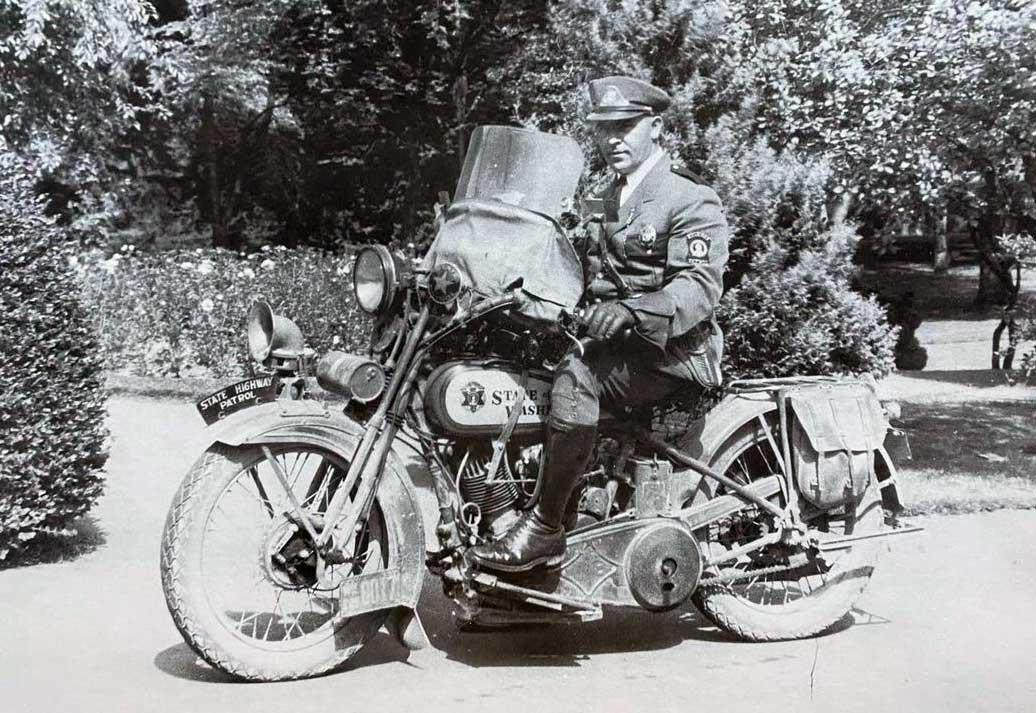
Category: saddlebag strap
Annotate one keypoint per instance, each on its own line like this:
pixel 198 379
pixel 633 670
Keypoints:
pixel 500 442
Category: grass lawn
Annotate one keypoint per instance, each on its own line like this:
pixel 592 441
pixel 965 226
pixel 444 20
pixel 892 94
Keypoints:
pixel 973 448
pixel 948 295
pixel 969 456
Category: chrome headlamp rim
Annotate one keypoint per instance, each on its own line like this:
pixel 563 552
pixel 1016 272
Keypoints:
pixel 389 279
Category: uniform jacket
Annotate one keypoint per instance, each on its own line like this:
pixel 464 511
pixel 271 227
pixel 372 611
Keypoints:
pixel 669 247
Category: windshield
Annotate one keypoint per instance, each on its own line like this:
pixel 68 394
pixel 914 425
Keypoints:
pixel 523 167
pixel 502 229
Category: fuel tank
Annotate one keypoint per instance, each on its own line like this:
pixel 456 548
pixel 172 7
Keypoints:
pixel 475 398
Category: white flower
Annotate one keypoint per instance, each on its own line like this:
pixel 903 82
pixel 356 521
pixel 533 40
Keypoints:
pixel 248 272
pixel 186 265
pixel 207 305
pixel 267 264
pixel 205 267
pixel 336 340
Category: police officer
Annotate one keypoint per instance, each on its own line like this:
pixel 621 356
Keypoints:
pixel 656 277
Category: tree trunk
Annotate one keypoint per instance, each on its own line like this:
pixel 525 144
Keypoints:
pixel 936 222
pixel 995 282
pixel 211 188
pixel 460 105
pixel 838 208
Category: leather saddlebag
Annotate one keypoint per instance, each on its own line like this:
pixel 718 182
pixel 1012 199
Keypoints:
pixel 835 431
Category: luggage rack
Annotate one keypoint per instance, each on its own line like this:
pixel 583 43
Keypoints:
pixel 740 386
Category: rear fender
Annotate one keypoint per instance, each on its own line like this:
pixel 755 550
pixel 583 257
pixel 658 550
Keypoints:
pixel 717 426
pixel 312 423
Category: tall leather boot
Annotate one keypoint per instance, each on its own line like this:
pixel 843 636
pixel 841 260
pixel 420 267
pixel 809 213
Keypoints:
pixel 538 537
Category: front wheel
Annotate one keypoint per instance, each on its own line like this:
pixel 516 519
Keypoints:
pixel 241 580
pixel 772 595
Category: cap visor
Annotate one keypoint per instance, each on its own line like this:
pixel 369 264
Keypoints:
pixel 617 114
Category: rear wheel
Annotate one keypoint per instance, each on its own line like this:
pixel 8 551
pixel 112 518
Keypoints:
pixel 241 579
pixel 778 593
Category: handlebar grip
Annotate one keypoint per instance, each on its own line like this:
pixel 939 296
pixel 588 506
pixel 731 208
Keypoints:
pixel 585 342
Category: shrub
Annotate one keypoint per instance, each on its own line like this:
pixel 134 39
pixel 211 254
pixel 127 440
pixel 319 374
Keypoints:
pixel 183 312
pixel 790 309
pixel 802 318
pixel 52 434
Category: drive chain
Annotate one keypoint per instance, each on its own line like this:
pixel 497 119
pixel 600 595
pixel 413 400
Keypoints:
pixel 737 575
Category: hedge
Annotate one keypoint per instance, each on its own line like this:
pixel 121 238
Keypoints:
pixel 53 442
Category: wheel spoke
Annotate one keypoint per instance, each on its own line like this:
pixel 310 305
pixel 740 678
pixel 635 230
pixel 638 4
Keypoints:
pixel 254 572
pixel 263 497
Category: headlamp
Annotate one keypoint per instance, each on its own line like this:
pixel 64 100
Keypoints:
pixel 376 279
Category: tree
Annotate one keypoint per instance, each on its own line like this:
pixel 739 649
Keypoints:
pixel 67 97
pixel 921 107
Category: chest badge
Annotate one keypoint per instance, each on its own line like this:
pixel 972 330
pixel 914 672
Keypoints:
pixel 648 235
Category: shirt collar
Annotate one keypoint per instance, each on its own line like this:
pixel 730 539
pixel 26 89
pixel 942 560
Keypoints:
pixel 633 179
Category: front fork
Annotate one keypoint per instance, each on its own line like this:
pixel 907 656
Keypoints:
pixel 368 461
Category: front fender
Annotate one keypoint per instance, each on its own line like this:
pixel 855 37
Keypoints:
pixel 313 423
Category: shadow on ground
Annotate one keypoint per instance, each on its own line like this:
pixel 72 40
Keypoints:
pixel 87 536
pixel 945 295
pixel 560 645
pixel 180 661
pixel 974 438
pixel 975 378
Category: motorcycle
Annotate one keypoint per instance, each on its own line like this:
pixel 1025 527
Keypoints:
pixel 297 534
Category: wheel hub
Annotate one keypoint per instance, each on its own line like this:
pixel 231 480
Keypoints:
pixel 289 556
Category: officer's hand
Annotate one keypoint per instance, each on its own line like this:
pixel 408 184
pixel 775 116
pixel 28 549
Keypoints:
pixel 606 319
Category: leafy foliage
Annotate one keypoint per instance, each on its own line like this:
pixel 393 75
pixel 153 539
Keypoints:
pixel 52 434
pixel 182 312
pixel 801 318
pixel 68 100
pixel 323 123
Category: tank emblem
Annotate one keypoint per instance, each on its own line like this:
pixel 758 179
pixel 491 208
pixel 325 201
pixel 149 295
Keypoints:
pixel 474 396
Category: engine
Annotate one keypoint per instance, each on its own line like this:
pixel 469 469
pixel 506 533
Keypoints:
pixel 492 503
pixel 470 402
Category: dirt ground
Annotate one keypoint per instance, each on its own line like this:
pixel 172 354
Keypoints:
pixel 942 627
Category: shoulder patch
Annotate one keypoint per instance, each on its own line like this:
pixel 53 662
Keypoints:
pixel 698 245
pixel 687 173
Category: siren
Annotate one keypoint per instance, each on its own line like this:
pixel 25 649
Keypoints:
pixel 275 341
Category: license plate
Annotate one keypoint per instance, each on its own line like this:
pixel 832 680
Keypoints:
pixel 370 592
pixel 233 398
